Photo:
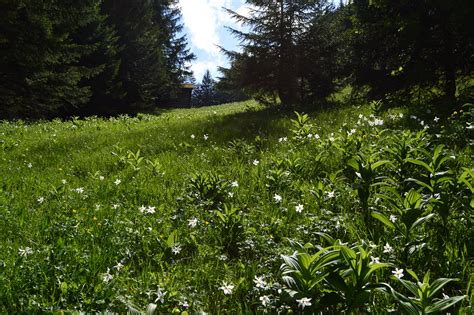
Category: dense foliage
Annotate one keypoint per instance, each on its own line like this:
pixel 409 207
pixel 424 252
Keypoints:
pixel 71 57
pixel 239 209
pixel 210 92
pixel 302 51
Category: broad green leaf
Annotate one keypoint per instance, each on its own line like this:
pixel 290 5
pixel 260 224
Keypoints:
pixel 379 163
pixel 421 163
pixel 411 286
pixel 382 218
pixel 422 220
pixel 438 284
pixel 444 304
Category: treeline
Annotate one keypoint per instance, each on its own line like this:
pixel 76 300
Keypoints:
pixel 302 51
pixel 212 92
pixel 68 57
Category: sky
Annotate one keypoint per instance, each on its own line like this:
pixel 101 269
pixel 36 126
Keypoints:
pixel 204 23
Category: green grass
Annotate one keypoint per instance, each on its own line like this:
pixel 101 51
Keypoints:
pixel 99 214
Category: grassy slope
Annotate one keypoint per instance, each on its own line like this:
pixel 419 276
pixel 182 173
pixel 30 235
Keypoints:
pixel 76 237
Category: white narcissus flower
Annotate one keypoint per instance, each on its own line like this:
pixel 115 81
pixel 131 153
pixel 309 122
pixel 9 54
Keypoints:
pixel 160 295
pixel 393 218
pixel 277 198
pixel 234 184
pixel 387 248
pixel 265 300
pixel 299 208
pixel 117 182
pixel 398 273
pixel 23 252
pixel 192 222
pixel 374 260
pixel 259 282
pixel 256 162
pixel 107 277
pixel 227 288
pixel 176 249
pixel 303 302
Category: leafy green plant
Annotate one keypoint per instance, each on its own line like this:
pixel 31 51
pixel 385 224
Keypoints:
pixel 301 126
pixel 230 229
pixel 423 298
pixel 208 189
pixel 366 177
pixel 338 277
pixel 409 213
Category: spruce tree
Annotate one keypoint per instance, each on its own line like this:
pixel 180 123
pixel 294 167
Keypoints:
pixel 174 48
pixel 270 57
pixel 205 93
pixel 41 69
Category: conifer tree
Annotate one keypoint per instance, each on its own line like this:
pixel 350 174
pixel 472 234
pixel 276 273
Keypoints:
pixel 270 56
pixel 40 68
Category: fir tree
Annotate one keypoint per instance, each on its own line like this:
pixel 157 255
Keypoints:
pixel 270 56
pixel 40 68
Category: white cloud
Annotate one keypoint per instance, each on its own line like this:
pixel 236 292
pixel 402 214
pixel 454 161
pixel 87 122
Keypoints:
pixel 200 67
pixel 203 19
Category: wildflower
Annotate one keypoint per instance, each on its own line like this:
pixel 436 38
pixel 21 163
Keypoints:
pixel 63 181
pixel 234 184
pixel 192 222
pixel 350 133
pixel 277 198
pixel 310 136
pixel 299 208
pixel 107 277
pixel 79 190
pixel 30 165
pixel 193 136
pixel 330 194
pixel 227 288
pixel 316 136
pixel 150 210
pixel 387 248
pixel 398 273
pixel 160 295
pixel 372 245
pixel 176 249
pixel 115 206
pixel 117 182
pixel 97 207
pixel 436 119
pixel 378 122
pixel 40 199
pixel 231 194
pixel 374 260
pixel 445 296
pixel 223 257
pixel 256 162
pixel 303 302
pixel 118 266
pixel 23 252
pixel 259 282
pixel 101 177
pixel 206 136
pixel 393 218
pixel 265 300
pixel 142 209
pixel 282 139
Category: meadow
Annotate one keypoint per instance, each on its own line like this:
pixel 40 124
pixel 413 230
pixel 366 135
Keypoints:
pixel 239 209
